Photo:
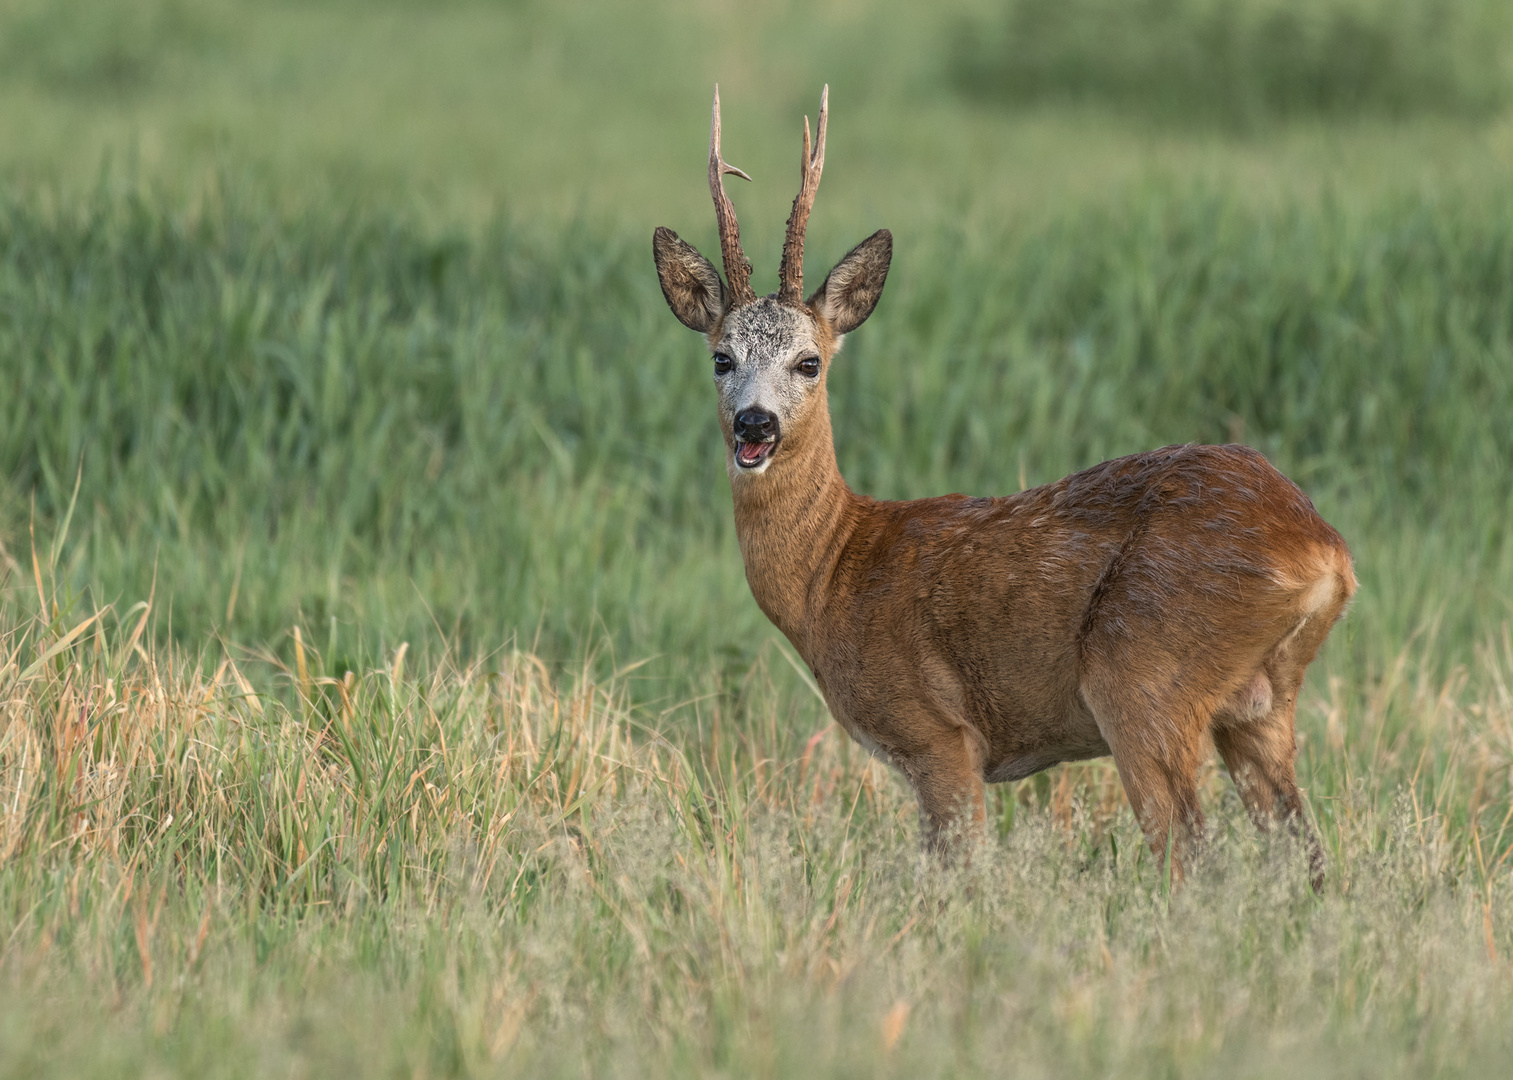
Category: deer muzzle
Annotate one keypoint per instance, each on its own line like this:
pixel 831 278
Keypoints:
pixel 756 437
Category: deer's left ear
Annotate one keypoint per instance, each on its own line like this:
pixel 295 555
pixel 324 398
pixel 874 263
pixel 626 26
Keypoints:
pixel 691 285
pixel 852 289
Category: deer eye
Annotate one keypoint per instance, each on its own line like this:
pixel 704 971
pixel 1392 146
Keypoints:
pixel 722 363
pixel 809 366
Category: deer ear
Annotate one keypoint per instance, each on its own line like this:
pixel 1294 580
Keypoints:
pixel 690 283
pixel 852 289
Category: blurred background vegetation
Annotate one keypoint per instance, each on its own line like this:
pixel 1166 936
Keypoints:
pixel 340 314
pixel 458 110
pixel 1243 63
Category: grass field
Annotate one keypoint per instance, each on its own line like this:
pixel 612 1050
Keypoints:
pixel 379 687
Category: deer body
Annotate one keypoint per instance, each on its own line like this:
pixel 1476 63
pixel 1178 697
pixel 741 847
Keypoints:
pixel 1139 608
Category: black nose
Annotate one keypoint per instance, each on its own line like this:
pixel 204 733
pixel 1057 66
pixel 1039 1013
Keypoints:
pixel 755 425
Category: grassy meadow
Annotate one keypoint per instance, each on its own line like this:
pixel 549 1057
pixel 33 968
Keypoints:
pixel 379 687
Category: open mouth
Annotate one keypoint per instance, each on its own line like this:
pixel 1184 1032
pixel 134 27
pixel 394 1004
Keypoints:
pixel 753 455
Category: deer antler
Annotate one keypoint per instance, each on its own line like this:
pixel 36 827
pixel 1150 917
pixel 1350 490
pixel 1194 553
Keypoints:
pixel 791 291
pixel 737 266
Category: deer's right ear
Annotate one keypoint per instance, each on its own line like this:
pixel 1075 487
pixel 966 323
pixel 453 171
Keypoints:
pixel 690 282
pixel 853 287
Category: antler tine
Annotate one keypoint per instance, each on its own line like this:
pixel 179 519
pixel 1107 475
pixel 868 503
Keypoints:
pixel 737 266
pixel 811 165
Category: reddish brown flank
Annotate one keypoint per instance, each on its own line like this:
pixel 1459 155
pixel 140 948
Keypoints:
pixel 1139 608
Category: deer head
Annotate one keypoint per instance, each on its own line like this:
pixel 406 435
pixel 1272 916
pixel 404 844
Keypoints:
pixel 771 353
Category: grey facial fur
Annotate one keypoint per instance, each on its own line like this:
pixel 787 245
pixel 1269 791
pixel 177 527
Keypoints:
pixel 767 341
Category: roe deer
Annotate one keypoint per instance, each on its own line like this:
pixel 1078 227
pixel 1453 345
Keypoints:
pixel 1130 609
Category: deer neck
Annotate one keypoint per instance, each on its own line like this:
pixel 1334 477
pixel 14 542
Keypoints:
pixel 792 523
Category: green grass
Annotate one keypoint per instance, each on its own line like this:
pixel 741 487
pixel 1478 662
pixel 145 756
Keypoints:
pixel 355 426
pixel 428 727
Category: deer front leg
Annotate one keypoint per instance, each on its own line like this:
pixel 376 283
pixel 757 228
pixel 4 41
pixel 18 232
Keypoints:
pixel 947 780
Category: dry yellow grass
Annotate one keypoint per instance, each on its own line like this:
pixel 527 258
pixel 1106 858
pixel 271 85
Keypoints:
pixel 487 866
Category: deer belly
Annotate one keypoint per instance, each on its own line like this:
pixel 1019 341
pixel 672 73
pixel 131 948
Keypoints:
pixel 867 743
pixel 1073 738
pixel 1017 768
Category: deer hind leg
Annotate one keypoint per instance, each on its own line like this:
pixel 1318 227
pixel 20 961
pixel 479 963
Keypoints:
pixel 1259 756
pixel 1157 749
pixel 1255 733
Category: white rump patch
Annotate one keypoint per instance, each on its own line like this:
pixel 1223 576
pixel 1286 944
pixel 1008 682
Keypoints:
pixel 1320 593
